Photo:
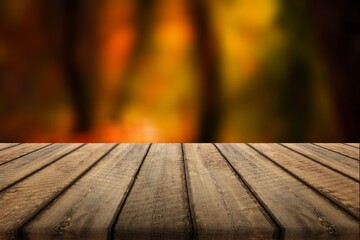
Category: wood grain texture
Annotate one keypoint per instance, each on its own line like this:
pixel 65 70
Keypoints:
pixel 9 154
pixel 23 200
pixel 223 207
pixel 156 206
pixel 341 149
pixel 345 165
pixel 357 145
pixel 87 209
pixel 23 166
pixel 175 191
pixel 302 213
pixel 7 145
pixel 340 189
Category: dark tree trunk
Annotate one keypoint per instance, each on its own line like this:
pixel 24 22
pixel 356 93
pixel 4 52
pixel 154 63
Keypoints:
pixel 209 72
pixel 73 77
pixel 337 25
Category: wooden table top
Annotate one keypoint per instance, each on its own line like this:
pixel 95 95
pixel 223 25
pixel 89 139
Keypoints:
pixel 179 191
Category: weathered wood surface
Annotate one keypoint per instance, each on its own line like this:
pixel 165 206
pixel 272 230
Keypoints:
pixel 337 188
pixel 224 207
pixel 357 145
pixel 7 145
pixel 157 205
pixel 22 167
pixel 335 161
pixel 179 191
pixel 89 206
pixel 21 202
pixel 15 152
pixel 303 214
pixel 341 149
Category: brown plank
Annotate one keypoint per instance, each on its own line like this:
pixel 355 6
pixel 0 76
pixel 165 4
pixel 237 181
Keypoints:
pixel 357 145
pixel 341 149
pixel 302 212
pixel 156 206
pixel 20 202
pixel 102 189
pixel 7 145
pixel 345 165
pixel 337 188
pixel 223 207
pixel 9 154
pixel 23 166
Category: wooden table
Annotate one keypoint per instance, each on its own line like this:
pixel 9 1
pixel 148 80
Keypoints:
pixel 167 191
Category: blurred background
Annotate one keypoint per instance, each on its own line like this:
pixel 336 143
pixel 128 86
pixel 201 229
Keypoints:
pixel 179 71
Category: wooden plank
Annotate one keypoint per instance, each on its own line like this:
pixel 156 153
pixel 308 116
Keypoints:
pixel 341 190
pixel 24 200
pixel 341 149
pixel 223 207
pixel 337 162
pixel 157 206
pixel 102 190
pixel 12 153
pixel 357 145
pixel 7 145
pixel 16 170
pixel 302 212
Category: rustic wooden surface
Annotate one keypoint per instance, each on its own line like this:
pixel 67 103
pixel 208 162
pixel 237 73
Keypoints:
pixel 341 149
pixel 179 191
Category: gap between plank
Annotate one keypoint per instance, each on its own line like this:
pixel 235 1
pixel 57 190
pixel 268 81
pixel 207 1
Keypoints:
pixel 111 230
pixel 350 145
pixel 25 154
pixel 39 169
pixel 193 226
pixel 323 164
pixel 331 200
pixel 19 232
pixel 279 229
pixel 335 151
pixel 11 146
